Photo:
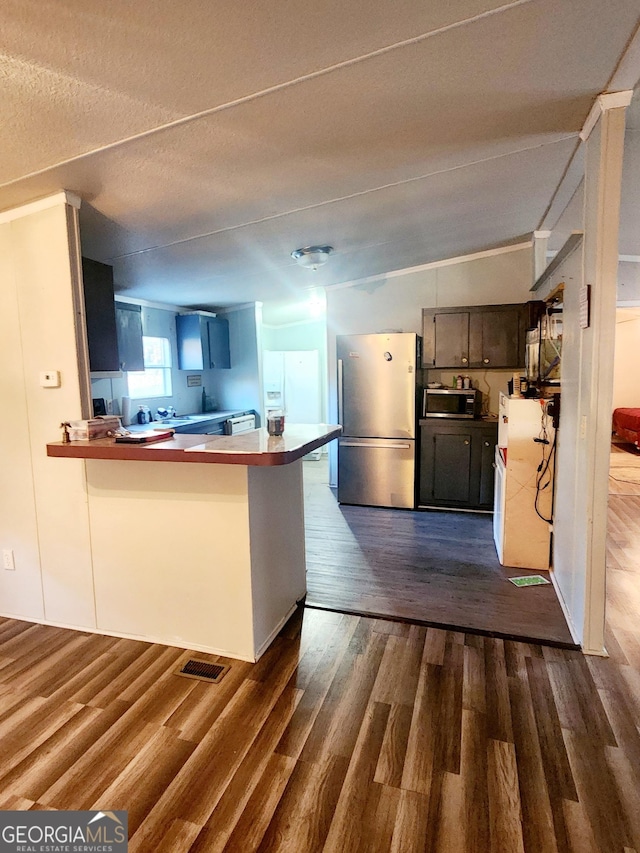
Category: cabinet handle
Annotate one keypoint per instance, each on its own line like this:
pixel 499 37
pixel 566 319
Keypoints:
pixel 485 360
pixel 464 359
pixel 486 444
pixel 466 441
pixel 397 446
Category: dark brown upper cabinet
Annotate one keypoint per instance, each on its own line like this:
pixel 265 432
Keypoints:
pixel 129 328
pixel 114 329
pixel 100 314
pixel 476 337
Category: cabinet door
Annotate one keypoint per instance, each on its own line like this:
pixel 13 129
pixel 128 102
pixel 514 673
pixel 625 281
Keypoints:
pixel 100 314
pixel 445 339
pixel 129 328
pixel 452 467
pixel 488 440
pixel 494 338
pixel 218 342
pixel 456 464
pixel 445 465
pixel 190 350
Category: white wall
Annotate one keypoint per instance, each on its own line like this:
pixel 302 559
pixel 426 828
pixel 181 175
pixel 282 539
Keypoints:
pixel 580 520
pixel 311 334
pixel 626 386
pixel 569 535
pixel 43 505
pixel 629 281
pixel 395 302
pixel 240 387
pixel 303 335
pixel 172 553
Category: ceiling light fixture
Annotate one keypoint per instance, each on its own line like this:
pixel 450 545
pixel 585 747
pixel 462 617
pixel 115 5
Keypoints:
pixel 312 257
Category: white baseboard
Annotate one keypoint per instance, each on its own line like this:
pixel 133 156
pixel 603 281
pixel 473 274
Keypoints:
pixel 262 648
pixel 173 643
pixel 575 635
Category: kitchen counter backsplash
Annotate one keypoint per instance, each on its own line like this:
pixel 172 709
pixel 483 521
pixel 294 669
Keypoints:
pixel 490 382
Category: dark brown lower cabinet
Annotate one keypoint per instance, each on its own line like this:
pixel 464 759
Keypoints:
pixel 456 463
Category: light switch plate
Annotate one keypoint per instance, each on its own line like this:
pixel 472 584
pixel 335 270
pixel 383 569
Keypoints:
pixel 50 379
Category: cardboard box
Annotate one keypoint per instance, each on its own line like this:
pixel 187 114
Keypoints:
pixel 93 428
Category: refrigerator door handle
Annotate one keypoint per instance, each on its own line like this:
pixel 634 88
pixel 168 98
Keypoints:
pixel 340 389
pixel 385 446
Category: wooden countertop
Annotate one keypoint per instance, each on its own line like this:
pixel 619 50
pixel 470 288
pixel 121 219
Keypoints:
pixel 250 448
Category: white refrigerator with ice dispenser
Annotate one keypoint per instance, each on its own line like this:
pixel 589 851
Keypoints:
pixel 291 382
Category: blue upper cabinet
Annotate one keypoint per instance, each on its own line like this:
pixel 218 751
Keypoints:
pixel 203 341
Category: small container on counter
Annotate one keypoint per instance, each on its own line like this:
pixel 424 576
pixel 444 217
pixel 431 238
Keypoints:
pixel 144 415
pixel 516 385
pixel 275 422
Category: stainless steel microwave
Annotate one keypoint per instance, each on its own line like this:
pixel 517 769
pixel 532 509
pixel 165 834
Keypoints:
pixel 451 403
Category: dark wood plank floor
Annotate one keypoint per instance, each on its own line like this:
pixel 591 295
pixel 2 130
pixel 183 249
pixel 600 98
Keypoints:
pixel 438 568
pixel 350 734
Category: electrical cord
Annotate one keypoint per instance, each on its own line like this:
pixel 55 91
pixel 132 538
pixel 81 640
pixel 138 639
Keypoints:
pixel 544 476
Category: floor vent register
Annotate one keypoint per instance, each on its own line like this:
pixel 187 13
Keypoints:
pixel 202 670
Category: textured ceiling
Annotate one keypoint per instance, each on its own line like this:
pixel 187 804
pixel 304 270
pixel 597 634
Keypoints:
pixel 207 141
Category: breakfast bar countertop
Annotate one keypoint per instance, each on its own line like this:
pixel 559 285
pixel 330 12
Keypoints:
pixel 255 447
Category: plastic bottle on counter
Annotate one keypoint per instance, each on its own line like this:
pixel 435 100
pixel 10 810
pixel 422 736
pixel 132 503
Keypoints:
pixel 466 382
pixel 459 382
pixel 142 415
pixel 516 385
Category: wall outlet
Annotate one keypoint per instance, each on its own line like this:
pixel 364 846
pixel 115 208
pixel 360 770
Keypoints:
pixel 50 379
pixel 8 562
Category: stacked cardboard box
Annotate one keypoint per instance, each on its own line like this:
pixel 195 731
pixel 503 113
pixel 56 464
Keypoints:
pixel 92 428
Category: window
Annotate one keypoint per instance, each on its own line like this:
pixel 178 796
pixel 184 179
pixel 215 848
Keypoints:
pixel 155 379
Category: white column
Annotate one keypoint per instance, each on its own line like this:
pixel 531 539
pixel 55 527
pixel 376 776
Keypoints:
pixel 604 155
pixel 43 509
pixel 540 240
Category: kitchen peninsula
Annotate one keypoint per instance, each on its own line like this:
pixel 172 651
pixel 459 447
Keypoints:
pixel 207 555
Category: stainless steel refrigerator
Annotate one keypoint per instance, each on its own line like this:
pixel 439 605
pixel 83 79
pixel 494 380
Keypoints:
pixel 377 410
